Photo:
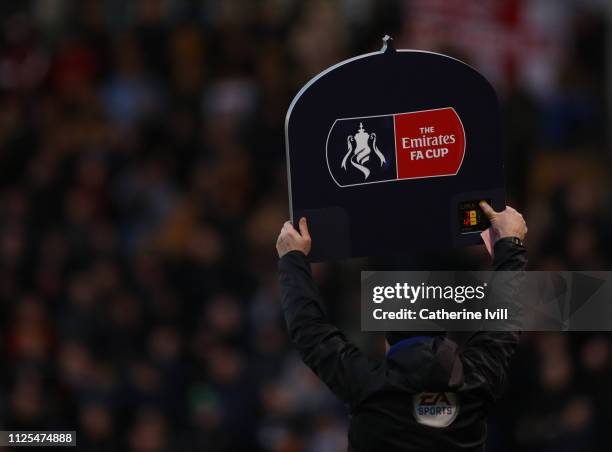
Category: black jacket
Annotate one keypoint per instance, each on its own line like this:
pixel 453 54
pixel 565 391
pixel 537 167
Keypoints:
pixel 380 393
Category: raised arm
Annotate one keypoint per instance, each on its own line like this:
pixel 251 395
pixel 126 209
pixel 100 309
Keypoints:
pixel 488 354
pixel 346 370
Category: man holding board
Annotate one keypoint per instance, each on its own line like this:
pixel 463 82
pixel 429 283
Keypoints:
pixel 428 393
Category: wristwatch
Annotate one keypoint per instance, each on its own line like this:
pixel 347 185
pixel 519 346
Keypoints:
pixel 515 240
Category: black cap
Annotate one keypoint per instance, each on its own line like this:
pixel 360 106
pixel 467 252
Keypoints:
pixel 395 336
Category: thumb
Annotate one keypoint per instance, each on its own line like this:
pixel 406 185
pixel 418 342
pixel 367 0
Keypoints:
pixel 290 230
pixel 304 228
pixel 487 209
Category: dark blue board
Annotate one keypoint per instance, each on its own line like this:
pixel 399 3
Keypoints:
pixel 388 152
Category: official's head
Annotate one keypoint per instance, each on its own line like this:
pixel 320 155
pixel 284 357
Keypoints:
pixel 395 337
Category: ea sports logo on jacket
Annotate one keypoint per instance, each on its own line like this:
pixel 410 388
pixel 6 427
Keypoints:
pixel 435 409
pixel 393 147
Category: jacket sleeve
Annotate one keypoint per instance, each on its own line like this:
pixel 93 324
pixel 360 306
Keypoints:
pixel 345 369
pixel 488 354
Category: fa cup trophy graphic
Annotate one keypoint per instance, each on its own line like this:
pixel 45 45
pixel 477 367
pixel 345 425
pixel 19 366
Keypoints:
pixel 359 150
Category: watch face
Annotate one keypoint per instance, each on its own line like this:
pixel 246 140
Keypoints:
pixel 471 217
pixel 517 241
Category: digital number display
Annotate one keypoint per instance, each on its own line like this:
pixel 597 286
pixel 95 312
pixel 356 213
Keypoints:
pixel 471 217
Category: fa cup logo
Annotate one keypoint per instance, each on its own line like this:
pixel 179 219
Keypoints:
pixel 428 143
pixel 360 147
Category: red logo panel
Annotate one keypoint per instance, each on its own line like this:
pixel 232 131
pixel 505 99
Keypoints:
pixel 429 143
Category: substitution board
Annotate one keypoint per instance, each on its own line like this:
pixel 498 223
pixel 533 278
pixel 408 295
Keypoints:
pixel 390 152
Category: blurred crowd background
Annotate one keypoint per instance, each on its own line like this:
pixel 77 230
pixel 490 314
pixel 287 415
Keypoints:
pixel 143 183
